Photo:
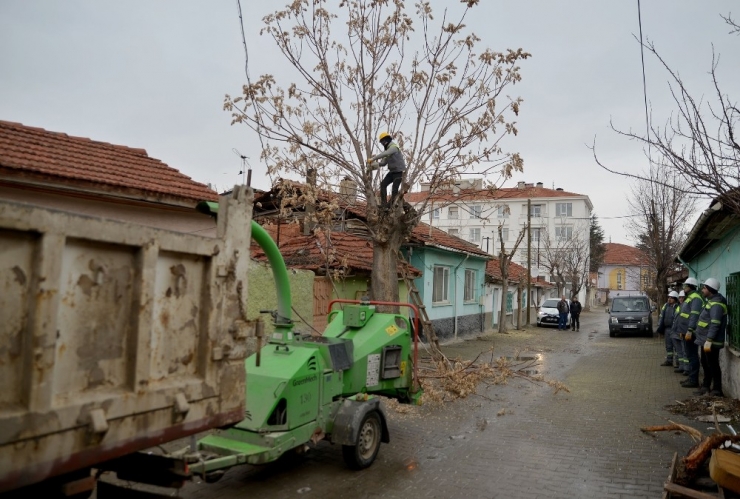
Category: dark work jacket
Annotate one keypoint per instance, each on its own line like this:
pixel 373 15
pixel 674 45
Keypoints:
pixel 563 307
pixel 575 308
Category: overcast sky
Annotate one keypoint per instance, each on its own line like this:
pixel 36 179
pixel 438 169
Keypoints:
pixel 153 75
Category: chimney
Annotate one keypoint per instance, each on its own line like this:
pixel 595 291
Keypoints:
pixel 348 190
pixel 309 217
pixel 425 186
pixel 539 185
pixel 520 185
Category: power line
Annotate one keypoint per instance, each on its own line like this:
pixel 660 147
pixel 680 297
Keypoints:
pixel 644 87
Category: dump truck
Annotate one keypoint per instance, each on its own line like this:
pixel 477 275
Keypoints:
pixel 119 337
pixel 114 338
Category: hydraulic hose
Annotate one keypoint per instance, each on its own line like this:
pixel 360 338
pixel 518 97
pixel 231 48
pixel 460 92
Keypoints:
pixel 279 274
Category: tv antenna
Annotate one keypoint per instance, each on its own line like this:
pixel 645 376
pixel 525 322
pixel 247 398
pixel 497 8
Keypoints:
pixel 246 167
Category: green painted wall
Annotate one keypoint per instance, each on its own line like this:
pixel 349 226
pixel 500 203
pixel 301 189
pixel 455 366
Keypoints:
pixel 718 260
pixel 261 294
pixel 354 288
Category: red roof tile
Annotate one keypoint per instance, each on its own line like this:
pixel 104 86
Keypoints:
pixel 448 196
pixel 338 250
pixel 621 254
pixel 441 239
pixel 58 157
pixel 516 272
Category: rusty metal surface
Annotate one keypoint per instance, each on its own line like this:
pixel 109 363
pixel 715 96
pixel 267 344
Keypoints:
pixel 115 337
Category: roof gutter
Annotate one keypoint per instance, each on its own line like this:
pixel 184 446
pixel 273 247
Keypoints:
pixel 697 228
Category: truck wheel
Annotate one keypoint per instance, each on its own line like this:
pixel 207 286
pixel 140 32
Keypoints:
pixel 363 453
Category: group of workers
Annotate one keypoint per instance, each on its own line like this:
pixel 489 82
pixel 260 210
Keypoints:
pixel 694 323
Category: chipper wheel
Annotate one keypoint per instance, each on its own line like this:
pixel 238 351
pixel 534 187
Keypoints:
pixel 363 453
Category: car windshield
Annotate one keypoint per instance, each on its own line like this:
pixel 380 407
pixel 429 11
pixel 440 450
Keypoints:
pixel 627 305
pixel 550 304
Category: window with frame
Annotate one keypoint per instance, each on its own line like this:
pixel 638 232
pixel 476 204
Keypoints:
pixel 563 233
pixel 469 294
pixel 474 234
pixel 440 284
pixel 563 209
pixel 452 212
pixel 435 213
pixel 509 302
pixel 536 234
pixel 504 235
pixel 503 211
pixel 535 210
pixel 454 232
pixel 476 210
pixel 619 280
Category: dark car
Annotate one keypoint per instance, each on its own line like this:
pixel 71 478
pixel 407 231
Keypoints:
pixel 630 314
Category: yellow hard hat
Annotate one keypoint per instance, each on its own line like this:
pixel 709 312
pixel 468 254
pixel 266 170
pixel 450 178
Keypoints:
pixel 383 135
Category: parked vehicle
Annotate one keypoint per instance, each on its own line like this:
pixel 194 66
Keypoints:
pixel 630 314
pixel 115 337
pixel 549 315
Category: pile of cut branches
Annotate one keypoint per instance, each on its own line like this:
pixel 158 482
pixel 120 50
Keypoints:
pixel 689 466
pixel 445 380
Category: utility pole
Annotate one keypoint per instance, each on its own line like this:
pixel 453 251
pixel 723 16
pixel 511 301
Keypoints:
pixel 487 239
pixel 529 258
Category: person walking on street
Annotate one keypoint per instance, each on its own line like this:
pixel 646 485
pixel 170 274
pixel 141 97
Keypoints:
pixel 678 342
pixel 710 337
pixel 665 324
pixel 575 313
pixel 563 310
pixel 688 317
pixel 393 158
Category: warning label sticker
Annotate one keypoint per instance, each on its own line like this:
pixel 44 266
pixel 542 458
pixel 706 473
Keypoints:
pixel 373 369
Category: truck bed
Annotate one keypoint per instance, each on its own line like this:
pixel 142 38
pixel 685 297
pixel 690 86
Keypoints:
pixel 115 337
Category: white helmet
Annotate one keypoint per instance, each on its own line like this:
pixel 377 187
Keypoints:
pixel 673 294
pixel 712 283
pixel 681 294
pixel 691 282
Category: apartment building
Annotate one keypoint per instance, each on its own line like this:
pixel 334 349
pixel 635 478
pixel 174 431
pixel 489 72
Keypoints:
pixel 468 210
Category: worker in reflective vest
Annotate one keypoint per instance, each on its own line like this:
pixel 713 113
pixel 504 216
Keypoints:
pixel 679 346
pixel 710 337
pixel 665 324
pixel 688 317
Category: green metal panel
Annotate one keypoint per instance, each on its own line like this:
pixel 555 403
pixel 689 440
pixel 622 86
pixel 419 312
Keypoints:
pixel 732 284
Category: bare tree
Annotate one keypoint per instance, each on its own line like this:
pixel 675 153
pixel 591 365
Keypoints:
pixel 659 226
pixel 553 258
pixel 576 259
pixel 504 259
pixel 366 66
pixel 699 142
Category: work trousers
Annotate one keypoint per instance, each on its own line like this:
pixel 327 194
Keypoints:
pixel 712 372
pixel 692 354
pixel 669 350
pixel 390 178
pixel 562 320
pixel 575 321
pixel 680 352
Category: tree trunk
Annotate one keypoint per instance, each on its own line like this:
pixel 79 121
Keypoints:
pixel 384 280
pixel 502 312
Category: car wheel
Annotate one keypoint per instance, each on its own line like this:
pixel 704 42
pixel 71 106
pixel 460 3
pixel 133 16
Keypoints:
pixel 612 334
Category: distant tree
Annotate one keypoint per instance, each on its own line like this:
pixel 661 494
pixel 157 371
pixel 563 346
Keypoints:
pixel 366 66
pixel 662 215
pixel 597 245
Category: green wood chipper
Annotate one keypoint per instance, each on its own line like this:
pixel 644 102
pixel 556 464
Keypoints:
pixel 303 388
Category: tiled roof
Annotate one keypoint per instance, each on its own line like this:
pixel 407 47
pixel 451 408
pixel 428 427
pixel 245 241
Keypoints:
pixel 441 239
pixel 36 153
pixel 340 250
pixel 448 196
pixel 621 254
pixel 516 272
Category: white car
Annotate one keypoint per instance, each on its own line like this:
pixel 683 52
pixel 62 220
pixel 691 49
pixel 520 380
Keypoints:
pixel 549 315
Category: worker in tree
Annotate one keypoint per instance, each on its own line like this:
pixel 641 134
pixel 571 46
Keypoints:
pixel 393 158
pixel 665 324
pixel 710 337
pixel 679 347
pixel 687 319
